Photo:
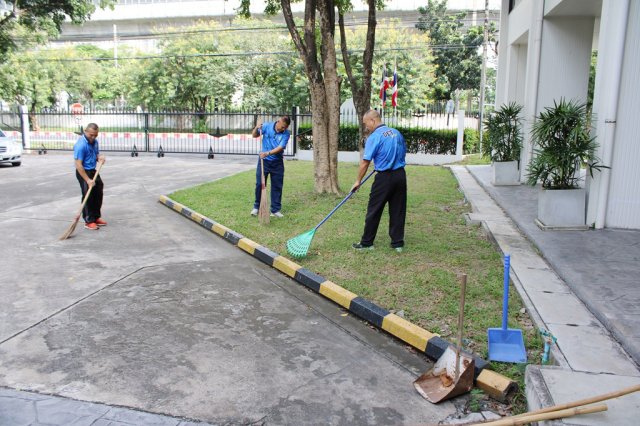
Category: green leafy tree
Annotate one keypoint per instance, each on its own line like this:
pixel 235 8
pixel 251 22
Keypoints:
pixel 455 51
pixel 272 82
pixel 400 47
pixel 28 80
pixel 315 42
pixel 26 22
pixel 191 74
pixel 395 46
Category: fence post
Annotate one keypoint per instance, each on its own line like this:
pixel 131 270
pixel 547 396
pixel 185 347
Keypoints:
pixel 24 124
pixel 146 132
pixel 460 141
pixel 294 116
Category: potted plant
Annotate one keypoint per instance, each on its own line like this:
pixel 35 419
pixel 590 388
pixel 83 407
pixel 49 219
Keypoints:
pixel 562 144
pixel 503 142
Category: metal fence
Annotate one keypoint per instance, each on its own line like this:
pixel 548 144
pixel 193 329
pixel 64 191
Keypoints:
pixel 170 132
pixel 189 132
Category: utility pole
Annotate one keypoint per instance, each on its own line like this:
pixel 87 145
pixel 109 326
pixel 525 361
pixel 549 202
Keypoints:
pixel 483 75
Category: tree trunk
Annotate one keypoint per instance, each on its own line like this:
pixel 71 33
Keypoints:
pixel 33 118
pixel 361 92
pixel 325 89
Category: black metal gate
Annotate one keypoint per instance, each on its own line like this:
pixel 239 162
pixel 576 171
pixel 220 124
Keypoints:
pixel 139 131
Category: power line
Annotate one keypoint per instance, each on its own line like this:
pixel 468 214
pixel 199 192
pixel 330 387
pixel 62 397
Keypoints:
pixel 244 54
pixel 278 28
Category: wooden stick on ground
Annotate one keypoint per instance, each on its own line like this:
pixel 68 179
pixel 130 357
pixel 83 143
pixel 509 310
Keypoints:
pixel 586 401
pixel 550 415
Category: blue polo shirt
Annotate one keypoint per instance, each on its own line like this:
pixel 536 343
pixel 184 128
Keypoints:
pixel 87 152
pixel 386 147
pixel 272 139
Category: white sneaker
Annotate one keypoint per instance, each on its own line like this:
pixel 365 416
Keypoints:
pixel 276 214
pixel 254 212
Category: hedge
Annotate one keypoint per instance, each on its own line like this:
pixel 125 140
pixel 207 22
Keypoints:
pixel 418 140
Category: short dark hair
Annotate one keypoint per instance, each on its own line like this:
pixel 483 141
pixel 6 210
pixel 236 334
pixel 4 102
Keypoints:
pixel 286 119
pixel 92 126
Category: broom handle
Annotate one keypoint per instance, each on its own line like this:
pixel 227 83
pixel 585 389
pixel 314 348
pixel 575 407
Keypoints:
pixel 86 196
pixel 559 414
pixel 342 202
pixel 591 400
pixel 262 173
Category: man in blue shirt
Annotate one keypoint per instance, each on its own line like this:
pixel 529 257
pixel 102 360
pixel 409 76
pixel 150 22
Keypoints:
pixel 387 148
pixel 275 137
pixel 86 153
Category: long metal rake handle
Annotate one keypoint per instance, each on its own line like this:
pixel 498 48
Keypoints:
pixel 342 202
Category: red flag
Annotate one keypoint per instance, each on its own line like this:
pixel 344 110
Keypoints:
pixel 394 90
pixel 384 85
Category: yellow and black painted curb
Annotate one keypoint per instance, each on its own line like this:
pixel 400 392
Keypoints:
pixel 494 384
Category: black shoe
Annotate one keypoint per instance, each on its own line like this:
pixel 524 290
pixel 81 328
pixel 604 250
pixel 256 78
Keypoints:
pixel 359 246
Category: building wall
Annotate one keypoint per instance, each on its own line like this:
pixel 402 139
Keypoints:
pixel 623 206
pixel 564 60
pixel 546 56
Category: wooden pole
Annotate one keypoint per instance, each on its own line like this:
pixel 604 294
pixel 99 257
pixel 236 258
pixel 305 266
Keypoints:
pixel 560 414
pixel 586 401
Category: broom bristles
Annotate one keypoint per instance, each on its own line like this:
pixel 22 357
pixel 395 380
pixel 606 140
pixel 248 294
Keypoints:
pixel 263 212
pixel 70 230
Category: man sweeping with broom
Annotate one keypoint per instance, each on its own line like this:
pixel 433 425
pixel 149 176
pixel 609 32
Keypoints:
pixel 86 154
pixel 275 137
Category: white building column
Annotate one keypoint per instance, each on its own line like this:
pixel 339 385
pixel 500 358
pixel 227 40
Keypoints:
pixel 612 35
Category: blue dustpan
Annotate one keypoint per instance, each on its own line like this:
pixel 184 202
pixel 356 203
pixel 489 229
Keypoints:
pixel 506 344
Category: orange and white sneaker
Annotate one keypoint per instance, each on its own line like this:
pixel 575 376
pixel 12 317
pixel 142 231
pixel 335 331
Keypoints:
pixel 101 222
pixel 92 226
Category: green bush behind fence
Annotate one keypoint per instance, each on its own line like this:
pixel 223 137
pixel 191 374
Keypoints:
pixel 418 140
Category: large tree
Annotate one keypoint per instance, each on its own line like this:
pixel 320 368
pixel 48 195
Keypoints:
pixel 28 80
pixel 398 46
pixel 360 88
pixel 455 50
pixel 191 73
pixel 316 45
pixel 27 21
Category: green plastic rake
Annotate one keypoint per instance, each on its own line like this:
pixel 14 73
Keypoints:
pixel 299 246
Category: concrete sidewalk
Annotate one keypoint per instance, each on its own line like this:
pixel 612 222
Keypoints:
pixel 579 285
pixel 154 315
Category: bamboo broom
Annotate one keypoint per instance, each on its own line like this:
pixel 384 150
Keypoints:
pixel 263 211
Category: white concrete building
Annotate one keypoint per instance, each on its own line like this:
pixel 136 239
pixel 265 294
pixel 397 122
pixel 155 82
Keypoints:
pixel 544 54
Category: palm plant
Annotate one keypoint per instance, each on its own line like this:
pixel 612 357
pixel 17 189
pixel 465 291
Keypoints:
pixel 562 143
pixel 503 140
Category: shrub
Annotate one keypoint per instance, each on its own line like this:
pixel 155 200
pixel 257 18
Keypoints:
pixel 418 140
pixel 562 143
pixel 503 140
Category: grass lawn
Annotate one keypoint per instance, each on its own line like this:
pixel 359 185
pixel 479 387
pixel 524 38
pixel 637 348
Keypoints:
pixel 475 159
pixel 422 281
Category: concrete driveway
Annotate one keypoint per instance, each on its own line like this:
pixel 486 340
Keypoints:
pixel 157 314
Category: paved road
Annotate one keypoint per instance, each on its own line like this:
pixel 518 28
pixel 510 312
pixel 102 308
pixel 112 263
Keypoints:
pixel 156 314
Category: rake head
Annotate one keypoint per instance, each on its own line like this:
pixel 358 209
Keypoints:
pixel 299 246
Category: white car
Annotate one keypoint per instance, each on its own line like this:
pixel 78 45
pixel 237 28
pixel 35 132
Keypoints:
pixel 10 150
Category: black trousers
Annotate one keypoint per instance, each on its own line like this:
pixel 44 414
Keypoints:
pixel 388 187
pixel 91 211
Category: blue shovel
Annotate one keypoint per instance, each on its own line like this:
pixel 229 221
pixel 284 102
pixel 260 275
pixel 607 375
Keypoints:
pixel 506 344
